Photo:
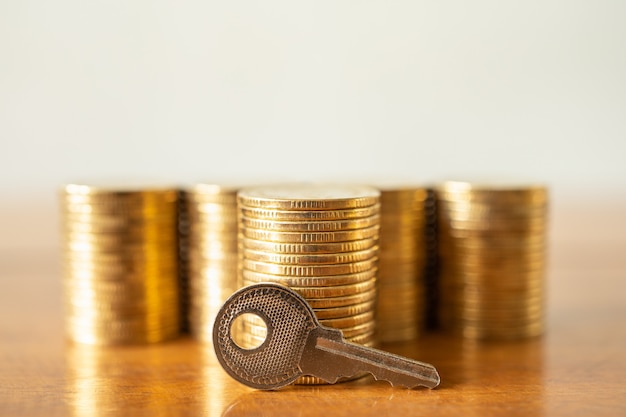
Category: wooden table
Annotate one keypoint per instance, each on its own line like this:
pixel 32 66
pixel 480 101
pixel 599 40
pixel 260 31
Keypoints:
pixel 577 369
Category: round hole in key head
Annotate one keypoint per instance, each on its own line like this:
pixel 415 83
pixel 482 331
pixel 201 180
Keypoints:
pixel 248 331
pixel 289 319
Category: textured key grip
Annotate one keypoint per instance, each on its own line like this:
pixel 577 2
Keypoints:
pixel 289 320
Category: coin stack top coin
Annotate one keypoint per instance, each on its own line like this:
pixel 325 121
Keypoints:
pixel 401 306
pixel 320 240
pixel 492 259
pixel 120 261
pixel 212 252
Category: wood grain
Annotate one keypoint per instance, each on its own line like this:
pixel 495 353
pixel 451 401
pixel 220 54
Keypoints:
pixel 577 369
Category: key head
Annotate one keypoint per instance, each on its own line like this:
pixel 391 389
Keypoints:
pixel 289 320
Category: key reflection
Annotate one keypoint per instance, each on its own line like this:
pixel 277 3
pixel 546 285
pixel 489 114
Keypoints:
pixel 477 379
pixel 336 400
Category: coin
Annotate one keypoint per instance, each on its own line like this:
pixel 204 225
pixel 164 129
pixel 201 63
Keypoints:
pixel 318 281
pixel 347 300
pixel 310 259
pixel 315 215
pixel 310 270
pixel 337 291
pixel 309 197
pixel 312 237
pixel 310 226
pixel 308 248
pixel 346 311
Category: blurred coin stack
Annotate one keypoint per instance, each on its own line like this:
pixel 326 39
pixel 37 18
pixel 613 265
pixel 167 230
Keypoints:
pixel 431 268
pixel 320 240
pixel 183 260
pixel 120 264
pixel 492 245
pixel 403 255
pixel 212 253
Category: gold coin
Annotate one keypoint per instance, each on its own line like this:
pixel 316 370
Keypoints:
pixel 338 323
pixel 485 213
pixel 320 281
pixel 108 239
pixel 350 321
pixel 221 227
pixel 307 248
pixel 132 258
pixel 201 211
pixel 482 283
pixel 498 318
pixel 123 295
pixel 117 221
pixel 227 257
pixel 87 212
pixel 309 270
pixel 524 332
pixel 310 237
pixel 317 303
pixel 112 273
pixel 309 197
pixel 337 291
pixel 311 259
pixel 123 190
pixel 536 243
pixel 492 276
pixel 401 196
pixel 309 226
pixel 213 192
pixel 315 215
pixel 139 248
pixel 396 271
pixel 214 249
pixel 499 226
pixel 109 314
pixel 509 193
pixel 346 311
pixel 477 306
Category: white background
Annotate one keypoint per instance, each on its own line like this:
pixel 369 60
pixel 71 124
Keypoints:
pixel 308 90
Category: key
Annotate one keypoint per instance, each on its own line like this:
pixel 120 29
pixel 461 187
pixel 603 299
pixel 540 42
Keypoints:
pixel 297 344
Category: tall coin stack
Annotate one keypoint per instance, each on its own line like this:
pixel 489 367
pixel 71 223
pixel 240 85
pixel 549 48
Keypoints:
pixel 121 267
pixel 493 243
pixel 320 240
pixel 403 251
pixel 212 253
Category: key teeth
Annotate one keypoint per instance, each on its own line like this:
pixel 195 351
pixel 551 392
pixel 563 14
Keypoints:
pixel 435 383
pixel 409 386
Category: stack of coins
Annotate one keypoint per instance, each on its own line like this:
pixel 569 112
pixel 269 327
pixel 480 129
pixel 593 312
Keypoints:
pixel 492 259
pixel 431 268
pixel 183 260
pixel 320 240
pixel 121 267
pixel 403 251
pixel 212 253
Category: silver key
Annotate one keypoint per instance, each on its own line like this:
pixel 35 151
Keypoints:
pixel 297 344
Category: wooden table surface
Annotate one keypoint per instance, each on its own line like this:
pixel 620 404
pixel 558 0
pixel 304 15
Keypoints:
pixel 577 369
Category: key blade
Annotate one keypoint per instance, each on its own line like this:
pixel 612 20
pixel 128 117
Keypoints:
pixel 328 356
pixel 395 369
